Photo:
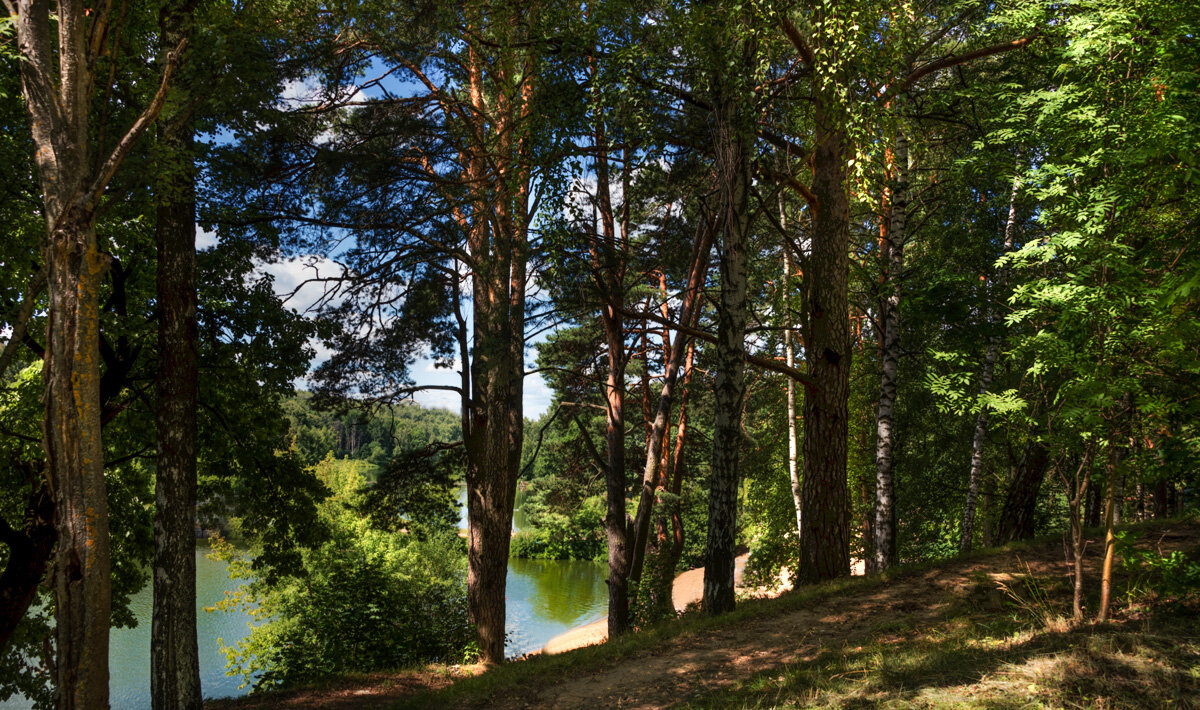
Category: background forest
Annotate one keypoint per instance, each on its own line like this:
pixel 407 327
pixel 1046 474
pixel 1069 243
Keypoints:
pixel 834 283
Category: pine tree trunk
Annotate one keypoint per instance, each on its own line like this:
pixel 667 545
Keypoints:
pixel 825 539
pixel 885 494
pixel 656 440
pixel 731 146
pixel 609 272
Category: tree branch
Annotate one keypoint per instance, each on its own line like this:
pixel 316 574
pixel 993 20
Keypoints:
pixel 91 198
pixel 954 60
pixel 21 320
pixel 800 376
pixel 793 35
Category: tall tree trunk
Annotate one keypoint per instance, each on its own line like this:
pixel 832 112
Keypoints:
pixel 493 450
pixel 498 187
pixel 174 653
pixel 608 268
pixel 58 102
pixel 174 656
pixel 885 494
pixel 731 145
pixel 985 381
pixel 825 539
pixel 57 86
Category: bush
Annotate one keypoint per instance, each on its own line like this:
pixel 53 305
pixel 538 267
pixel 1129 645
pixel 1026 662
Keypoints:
pixel 369 600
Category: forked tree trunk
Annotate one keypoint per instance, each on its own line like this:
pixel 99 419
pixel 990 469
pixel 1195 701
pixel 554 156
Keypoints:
pixel 656 440
pixel 825 539
pixel 885 493
pixel 58 99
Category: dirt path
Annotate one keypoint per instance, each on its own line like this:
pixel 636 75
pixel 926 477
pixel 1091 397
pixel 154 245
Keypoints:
pixel 705 662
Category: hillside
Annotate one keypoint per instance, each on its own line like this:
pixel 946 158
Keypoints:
pixel 987 630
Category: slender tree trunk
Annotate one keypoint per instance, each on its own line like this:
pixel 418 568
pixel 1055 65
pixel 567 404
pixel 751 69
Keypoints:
pixel 731 146
pixel 825 539
pixel 790 358
pixel 608 270
pixel 1111 495
pixel 885 494
pixel 989 363
pixel 174 656
pixel 1078 488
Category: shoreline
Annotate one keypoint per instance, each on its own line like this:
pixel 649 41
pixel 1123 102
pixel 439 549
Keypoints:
pixel 687 588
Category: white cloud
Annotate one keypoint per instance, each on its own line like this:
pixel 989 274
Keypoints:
pixel 537 396
pixel 204 239
pixel 294 279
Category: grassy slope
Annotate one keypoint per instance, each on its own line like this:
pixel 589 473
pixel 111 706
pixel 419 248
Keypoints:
pixel 931 635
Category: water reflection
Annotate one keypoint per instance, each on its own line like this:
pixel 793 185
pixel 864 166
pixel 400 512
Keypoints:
pixel 547 597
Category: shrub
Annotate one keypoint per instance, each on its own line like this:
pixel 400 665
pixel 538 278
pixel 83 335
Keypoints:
pixel 368 600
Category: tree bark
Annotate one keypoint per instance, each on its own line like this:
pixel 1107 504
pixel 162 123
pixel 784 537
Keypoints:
pixel 75 267
pixel 825 539
pixel 608 268
pixel 790 358
pixel 731 145
pixel 885 494
pixel 1017 516
pixel 174 655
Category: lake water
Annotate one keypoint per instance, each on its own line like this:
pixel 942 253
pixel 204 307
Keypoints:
pixel 544 599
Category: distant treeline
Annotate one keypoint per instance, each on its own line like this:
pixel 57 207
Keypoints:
pixel 374 436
